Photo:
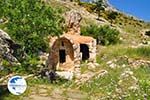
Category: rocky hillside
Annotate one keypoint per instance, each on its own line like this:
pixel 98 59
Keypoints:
pixel 7 49
pixel 122 71
pixel 130 27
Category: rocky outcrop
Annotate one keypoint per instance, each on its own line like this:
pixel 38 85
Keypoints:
pixel 8 48
pixel 72 19
pixel 89 75
pixel 125 61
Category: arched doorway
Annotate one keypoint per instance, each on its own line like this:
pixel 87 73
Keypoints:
pixel 63 54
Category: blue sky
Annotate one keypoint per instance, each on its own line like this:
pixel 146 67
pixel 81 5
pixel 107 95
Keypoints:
pixel 137 8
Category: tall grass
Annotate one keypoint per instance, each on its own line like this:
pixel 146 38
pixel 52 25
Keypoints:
pixel 119 50
pixel 139 52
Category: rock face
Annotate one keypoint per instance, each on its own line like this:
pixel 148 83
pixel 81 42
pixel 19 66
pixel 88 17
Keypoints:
pixel 7 48
pixel 72 20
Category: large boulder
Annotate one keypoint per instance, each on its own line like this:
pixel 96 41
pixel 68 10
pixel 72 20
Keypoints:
pixel 7 48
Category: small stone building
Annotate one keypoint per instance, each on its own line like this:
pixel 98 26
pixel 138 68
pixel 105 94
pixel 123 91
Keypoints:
pixel 68 50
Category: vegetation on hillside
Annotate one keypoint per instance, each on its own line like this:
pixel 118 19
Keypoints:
pixel 128 24
pixel 99 6
pixel 29 22
pixel 105 35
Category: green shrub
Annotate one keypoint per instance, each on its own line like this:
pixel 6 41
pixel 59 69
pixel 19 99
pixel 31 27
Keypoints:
pixel 90 30
pixel 108 35
pixel 104 34
pixel 100 6
pixel 112 16
pixel 90 7
pixel 30 64
pixel 29 22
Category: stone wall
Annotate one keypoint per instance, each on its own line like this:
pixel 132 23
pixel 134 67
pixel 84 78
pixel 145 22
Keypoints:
pixel 73 54
pixel 72 42
pixel 54 55
pixel 92 51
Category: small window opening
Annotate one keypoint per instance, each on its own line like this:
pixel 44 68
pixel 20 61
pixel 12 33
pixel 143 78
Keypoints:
pixel 62 56
pixel 62 43
pixel 84 49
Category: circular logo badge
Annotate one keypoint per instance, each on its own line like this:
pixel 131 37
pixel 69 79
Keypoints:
pixel 17 85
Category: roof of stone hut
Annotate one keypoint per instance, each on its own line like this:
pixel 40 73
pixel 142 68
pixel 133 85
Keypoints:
pixel 78 38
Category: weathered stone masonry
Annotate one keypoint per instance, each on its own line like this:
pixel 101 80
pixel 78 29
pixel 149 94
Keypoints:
pixel 68 50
